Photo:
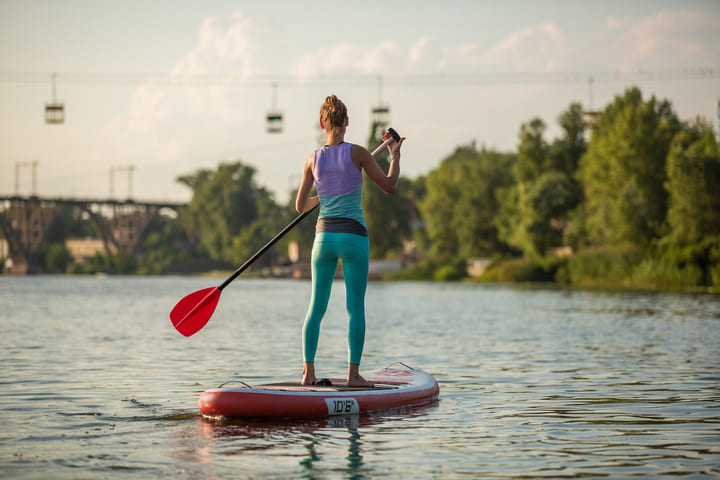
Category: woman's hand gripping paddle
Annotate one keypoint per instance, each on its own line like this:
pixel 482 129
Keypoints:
pixel 193 311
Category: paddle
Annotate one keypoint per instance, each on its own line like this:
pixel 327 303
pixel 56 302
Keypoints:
pixel 193 311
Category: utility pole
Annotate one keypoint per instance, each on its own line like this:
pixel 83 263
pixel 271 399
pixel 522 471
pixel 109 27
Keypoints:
pixel 129 169
pixel 33 165
pixel 34 178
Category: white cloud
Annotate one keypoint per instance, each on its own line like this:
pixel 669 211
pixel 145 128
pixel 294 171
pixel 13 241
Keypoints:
pixel 226 44
pixel 347 58
pixel 468 54
pixel 417 50
pixel 167 120
pixel 536 47
pixel 539 48
pixel 674 39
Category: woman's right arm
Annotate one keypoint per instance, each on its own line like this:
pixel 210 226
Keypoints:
pixel 387 183
pixel 303 203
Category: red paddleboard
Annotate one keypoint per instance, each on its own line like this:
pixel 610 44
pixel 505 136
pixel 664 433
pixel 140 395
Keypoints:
pixel 394 387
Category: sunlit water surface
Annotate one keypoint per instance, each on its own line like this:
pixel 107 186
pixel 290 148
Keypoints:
pixel 535 382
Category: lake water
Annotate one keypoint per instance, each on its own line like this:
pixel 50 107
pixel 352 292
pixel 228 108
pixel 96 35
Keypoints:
pixel 534 382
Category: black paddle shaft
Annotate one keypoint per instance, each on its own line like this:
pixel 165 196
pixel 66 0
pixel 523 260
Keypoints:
pixel 264 249
pixel 282 233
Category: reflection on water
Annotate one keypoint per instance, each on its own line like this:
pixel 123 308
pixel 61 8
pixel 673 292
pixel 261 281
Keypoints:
pixel 322 440
pixel 534 382
pixel 355 458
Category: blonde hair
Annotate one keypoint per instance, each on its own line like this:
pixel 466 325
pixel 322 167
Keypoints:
pixel 333 113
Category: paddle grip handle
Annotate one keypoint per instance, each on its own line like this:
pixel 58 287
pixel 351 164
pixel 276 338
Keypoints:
pixel 394 136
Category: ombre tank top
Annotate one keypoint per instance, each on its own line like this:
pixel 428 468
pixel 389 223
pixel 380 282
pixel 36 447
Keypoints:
pixel 339 185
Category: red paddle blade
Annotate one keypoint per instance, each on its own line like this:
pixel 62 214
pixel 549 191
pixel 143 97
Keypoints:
pixel 193 311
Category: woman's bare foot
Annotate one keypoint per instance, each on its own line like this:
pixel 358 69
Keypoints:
pixel 354 379
pixel 309 377
pixel 359 382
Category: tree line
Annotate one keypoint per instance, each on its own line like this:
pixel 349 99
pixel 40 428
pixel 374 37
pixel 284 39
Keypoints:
pixel 630 196
pixel 631 199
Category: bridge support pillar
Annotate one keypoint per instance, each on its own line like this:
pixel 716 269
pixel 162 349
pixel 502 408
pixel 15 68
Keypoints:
pixel 24 224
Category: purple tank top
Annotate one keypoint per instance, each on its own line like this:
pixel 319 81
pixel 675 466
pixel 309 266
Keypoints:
pixel 334 171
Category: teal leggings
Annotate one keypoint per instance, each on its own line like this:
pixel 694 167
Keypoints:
pixel 354 251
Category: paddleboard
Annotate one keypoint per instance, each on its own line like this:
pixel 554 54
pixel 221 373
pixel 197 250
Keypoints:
pixel 394 386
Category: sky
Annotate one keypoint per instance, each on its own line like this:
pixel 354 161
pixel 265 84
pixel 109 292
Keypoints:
pixel 156 90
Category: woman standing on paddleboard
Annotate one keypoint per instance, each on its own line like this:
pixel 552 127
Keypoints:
pixel 341 233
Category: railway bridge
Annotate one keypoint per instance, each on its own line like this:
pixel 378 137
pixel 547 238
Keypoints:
pixel 25 222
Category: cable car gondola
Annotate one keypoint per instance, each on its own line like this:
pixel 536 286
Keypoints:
pixel 274 118
pixel 381 112
pixel 54 110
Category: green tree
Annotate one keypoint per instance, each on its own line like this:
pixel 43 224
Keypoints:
pixel 546 212
pixel 119 263
pixel 517 223
pixel 251 238
pixel 532 157
pixel 566 151
pixel 536 210
pixel 165 243
pixel 693 183
pixel 415 190
pixel 304 232
pixel 69 223
pixel 692 248
pixel 229 214
pixel 57 258
pixel 461 203
pixel 624 172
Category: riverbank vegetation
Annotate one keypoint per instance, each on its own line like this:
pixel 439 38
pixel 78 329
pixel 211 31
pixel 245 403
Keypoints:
pixel 638 205
pixel 625 197
pixel 630 199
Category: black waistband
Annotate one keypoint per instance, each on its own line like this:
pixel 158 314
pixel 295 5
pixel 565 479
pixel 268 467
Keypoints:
pixel 340 225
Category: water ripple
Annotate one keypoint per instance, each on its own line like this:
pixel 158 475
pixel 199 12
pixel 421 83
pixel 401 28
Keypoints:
pixel 535 382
